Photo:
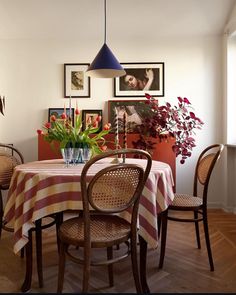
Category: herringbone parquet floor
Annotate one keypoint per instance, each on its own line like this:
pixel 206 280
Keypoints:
pixel 186 268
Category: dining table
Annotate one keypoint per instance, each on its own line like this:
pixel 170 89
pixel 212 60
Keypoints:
pixel 41 188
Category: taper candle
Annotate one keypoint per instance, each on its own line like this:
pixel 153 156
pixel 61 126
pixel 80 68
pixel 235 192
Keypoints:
pixel 125 130
pixel 116 129
pixel 70 107
pixel 125 134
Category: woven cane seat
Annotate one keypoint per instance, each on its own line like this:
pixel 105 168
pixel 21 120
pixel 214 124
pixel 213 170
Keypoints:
pixel 184 200
pixel 7 165
pixel 103 230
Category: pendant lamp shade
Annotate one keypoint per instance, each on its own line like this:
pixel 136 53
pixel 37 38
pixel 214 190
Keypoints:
pixel 105 64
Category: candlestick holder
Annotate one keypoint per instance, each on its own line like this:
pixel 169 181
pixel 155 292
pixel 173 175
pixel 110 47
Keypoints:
pixel 116 159
pixel 125 134
pixel 123 156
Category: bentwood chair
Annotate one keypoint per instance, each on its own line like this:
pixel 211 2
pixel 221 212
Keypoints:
pixel 197 203
pixel 112 190
pixel 10 157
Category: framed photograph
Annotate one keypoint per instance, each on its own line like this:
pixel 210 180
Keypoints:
pixel 90 117
pixel 76 83
pixel 136 111
pixel 140 78
pixel 59 111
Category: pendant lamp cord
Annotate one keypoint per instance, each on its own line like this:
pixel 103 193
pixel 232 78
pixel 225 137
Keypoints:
pixel 105 23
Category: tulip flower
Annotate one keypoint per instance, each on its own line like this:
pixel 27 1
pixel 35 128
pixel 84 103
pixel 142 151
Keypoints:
pixel 99 118
pixel 53 118
pixel 63 116
pixel 39 131
pixel 106 126
pixel 48 125
pixel 104 148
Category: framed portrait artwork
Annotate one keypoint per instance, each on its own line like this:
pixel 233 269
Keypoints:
pixel 136 111
pixel 90 117
pixel 140 78
pixel 76 83
pixel 58 112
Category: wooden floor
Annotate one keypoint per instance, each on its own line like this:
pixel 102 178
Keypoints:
pixel 186 268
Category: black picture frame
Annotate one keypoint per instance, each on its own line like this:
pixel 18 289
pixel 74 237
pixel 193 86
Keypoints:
pixel 59 111
pixel 141 78
pixel 136 111
pixel 76 83
pixel 92 114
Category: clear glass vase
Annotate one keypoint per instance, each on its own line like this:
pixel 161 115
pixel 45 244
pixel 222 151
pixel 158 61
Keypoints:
pixel 85 154
pixel 67 155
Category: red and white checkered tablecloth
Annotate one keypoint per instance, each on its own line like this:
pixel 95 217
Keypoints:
pixel 45 187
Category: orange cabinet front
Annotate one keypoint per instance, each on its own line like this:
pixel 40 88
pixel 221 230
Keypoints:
pixel 162 150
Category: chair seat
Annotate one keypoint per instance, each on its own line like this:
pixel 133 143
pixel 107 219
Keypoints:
pixel 184 200
pixel 104 230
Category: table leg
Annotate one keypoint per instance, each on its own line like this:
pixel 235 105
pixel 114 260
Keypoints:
pixel 28 271
pixel 38 234
pixel 143 262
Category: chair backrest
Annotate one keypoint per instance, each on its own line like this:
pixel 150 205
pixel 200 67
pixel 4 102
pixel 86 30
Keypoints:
pixel 117 186
pixel 205 165
pixel 10 157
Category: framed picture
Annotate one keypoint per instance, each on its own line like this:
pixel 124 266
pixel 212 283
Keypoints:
pixel 136 111
pixel 76 83
pixel 140 78
pixel 90 117
pixel 59 111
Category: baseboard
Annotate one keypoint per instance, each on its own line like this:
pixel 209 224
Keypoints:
pixel 213 205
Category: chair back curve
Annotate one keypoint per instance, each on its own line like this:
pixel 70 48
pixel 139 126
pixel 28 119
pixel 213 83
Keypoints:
pixel 204 167
pixel 10 157
pixel 117 186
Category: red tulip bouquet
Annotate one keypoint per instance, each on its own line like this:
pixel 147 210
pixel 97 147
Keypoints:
pixel 63 131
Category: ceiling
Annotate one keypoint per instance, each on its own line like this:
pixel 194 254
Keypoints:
pixel 70 19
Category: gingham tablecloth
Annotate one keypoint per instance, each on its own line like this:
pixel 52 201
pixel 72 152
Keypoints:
pixel 45 187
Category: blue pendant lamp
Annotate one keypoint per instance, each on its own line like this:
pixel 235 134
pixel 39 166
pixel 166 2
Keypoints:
pixel 105 64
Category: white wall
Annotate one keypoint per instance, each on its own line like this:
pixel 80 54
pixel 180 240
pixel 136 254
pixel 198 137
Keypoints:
pixel 31 78
pixel 229 160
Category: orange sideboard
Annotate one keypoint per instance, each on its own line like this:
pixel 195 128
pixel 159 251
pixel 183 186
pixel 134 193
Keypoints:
pixel 162 150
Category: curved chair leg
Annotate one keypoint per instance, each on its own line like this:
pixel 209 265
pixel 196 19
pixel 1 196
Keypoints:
pixel 110 266
pixel 59 220
pixel 38 234
pixel 143 264
pixel 197 230
pixel 86 268
pixel 135 263
pixel 61 271
pixel 205 224
pixel 164 216
pixel 159 224
pixel 28 271
pixel 22 253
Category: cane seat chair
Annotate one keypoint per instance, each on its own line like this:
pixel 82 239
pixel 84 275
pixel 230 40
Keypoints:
pixel 10 157
pixel 112 190
pixel 197 203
